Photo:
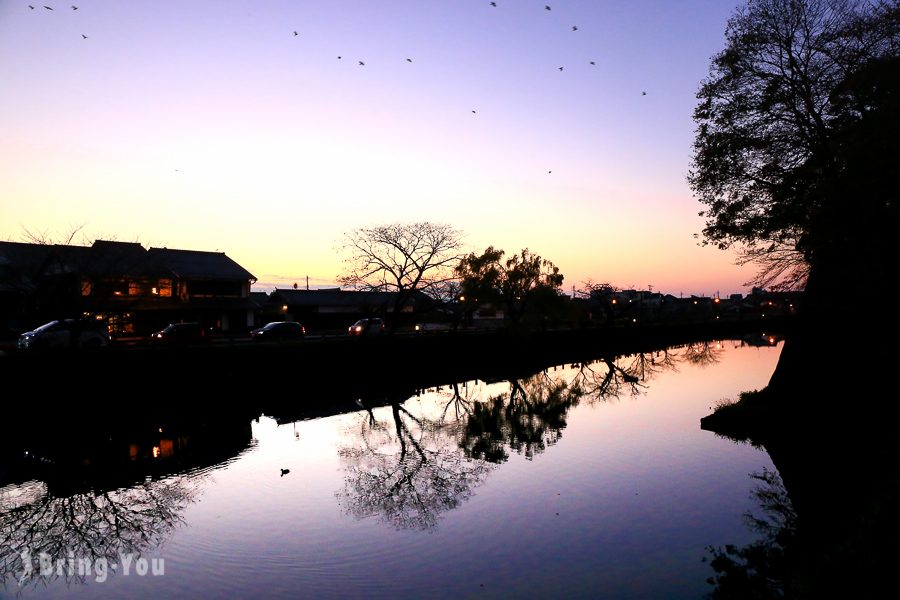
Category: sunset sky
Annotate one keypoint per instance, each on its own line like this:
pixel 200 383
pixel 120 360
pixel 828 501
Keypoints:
pixel 210 125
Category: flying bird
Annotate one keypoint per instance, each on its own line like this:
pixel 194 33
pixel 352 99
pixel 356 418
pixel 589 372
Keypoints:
pixel 295 33
pixel 31 7
pixel 593 63
pixel 285 472
pixel 84 36
pixel 362 64
pixel 74 7
pixel 408 60
pixel 493 4
pixel 339 58
pixel 48 7
pixel 560 68
pixel 474 113
pixel 574 27
pixel 547 7
pixel 643 93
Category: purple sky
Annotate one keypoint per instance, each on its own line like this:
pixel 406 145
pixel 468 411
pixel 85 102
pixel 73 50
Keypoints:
pixel 210 125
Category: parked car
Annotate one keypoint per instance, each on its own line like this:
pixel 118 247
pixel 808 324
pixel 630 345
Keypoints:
pixel 366 327
pixel 64 333
pixel 279 330
pixel 178 334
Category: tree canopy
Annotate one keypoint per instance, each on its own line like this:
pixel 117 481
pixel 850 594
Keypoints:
pixel 780 119
pixel 516 283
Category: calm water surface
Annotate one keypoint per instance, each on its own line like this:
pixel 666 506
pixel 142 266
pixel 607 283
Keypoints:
pixel 575 482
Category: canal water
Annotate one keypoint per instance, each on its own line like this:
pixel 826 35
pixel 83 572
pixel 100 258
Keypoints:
pixel 588 480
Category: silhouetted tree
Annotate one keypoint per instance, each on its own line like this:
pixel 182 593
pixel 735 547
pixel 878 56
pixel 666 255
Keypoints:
pixel 772 161
pixel 519 283
pixel 404 258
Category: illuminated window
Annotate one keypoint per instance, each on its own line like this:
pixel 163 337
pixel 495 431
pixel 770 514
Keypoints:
pixel 86 287
pixel 164 288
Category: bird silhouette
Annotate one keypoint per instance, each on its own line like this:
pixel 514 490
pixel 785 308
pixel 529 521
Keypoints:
pixel 546 7
pixel 74 7
pixel 295 33
pixel 474 113
pixel 84 36
pixel 285 472
pixel 362 64
pixel 493 4
pixel 643 93
pixel 548 172
pixel 31 7
pixel 408 60
pixel 339 58
pixel 574 27
pixel 560 68
pixel 593 63
pixel 48 7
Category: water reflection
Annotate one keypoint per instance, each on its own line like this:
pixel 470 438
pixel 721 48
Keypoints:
pixel 398 461
pixel 406 469
pixel 763 568
pixel 425 456
pixel 97 497
pixel 527 419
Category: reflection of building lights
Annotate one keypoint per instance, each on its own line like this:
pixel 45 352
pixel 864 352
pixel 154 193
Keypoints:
pixel 771 340
pixel 462 298
pixel 284 307
pixel 614 301
pixel 155 451
pixel 634 320
pixel 716 300
pixel 719 345
pixel 154 291
pixel 160 429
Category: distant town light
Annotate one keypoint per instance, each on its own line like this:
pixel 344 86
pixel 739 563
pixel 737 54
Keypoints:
pixel 284 307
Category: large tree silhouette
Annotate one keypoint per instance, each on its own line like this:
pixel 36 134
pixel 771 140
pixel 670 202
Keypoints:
pixel 778 159
pixel 794 158
pixel 404 258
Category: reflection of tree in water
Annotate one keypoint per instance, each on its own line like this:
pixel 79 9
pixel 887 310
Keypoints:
pixel 527 420
pixel 94 525
pixel 761 569
pixel 703 354
pixel 408 470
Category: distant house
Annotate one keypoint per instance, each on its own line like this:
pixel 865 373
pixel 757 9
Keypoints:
pixel 132 289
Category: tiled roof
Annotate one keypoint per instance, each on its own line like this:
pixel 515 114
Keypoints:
pixel 194 264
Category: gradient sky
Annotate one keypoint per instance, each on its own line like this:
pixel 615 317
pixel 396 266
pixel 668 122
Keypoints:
pixel 209 125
